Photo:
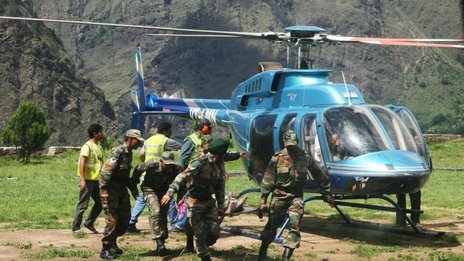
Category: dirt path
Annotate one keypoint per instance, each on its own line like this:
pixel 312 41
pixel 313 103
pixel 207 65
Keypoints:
pixel 321 240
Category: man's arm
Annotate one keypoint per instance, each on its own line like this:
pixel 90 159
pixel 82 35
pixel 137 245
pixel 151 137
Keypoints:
pixel 107 171
pixel 178 182
pixel 172 145
pixel 84 156
pixel 82 162
pixel 185 152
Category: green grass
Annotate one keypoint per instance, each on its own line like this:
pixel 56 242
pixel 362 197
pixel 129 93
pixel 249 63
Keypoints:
pixel 52 252
pixel 43 194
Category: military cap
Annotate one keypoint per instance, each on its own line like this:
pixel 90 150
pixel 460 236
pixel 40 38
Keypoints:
pixel 218 146
pixel 168 157
pixel 134 133
pixel 290 138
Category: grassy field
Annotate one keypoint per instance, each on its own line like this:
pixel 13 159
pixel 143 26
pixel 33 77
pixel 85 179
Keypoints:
pixel 43 193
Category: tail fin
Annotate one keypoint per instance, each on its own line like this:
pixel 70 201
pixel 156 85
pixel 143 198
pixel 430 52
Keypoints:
pixel 214 110
pixel 138 95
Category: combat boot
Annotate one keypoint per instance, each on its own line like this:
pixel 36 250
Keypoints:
pixel 160 247
pixel 263 252
pixel 115 250
pixel 287 254
pixel 132 229
pixel 206 258
pixel 107 254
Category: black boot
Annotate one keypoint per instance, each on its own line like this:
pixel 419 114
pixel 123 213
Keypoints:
pixel 206 258
pixel 287 254
pixel 263 252
pixel 132 229
pixel 106 253
pixel 116 250
pixel 160 247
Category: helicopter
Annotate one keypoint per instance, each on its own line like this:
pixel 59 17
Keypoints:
pixel 380 150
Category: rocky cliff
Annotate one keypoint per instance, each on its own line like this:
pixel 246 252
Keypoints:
pixel 34 66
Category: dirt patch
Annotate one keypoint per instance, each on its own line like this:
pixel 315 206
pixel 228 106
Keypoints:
pixel 321 240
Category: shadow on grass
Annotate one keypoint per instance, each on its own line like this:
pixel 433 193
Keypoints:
pixel 337 229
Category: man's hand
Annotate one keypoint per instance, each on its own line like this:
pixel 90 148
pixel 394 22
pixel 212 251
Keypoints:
pixel 261 209
pixel 83 185
pixel 104 197
pixel 165 199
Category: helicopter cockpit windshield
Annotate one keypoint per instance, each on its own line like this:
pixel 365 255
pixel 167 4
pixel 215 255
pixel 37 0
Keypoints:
pixel 352 132
pixel 357 130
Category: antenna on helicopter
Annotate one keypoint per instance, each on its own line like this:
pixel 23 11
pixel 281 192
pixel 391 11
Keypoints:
pixel 346 89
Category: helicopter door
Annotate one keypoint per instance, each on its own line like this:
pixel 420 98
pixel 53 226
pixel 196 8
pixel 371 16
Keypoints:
pixel 262 145
pixel 312 148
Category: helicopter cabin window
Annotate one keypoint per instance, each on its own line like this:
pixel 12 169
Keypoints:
pixel 287 124
pixel 396 130
pixel 352 132
pixel 262 145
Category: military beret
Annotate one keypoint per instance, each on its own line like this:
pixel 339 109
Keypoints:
pixel 218 146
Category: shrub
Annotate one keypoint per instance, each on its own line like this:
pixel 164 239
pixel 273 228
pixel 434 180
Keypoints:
pixel 26 130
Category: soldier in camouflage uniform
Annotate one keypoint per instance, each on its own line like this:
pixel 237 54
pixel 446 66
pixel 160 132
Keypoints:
pixel 203 179
pixel 285 178
pixel 159 174
pixel 114 178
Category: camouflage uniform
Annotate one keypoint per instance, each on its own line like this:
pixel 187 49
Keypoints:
pixel 154 186
pixel 114 178
pixel 203 179
pixel 285 179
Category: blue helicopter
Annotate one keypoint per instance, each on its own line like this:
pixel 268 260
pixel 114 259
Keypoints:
pixel 358 150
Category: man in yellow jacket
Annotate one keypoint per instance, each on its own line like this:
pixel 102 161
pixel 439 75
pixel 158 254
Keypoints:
pixel 88 169
pixel 153 148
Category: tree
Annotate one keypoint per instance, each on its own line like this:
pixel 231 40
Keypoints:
pixel 26 130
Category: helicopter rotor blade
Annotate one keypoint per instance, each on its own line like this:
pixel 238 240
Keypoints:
pixel 264 35
pixel 198 35
pixel 291 36
pixel 399 41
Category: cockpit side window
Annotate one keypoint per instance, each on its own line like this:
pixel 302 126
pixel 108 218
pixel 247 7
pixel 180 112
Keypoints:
pixel 399 135
pixel 310 142
pixel 312 147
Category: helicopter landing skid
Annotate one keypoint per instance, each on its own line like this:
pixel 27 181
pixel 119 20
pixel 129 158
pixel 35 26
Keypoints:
pixel 416 231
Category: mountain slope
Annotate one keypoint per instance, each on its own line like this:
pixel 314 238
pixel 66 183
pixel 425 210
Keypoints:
pixel 35 67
